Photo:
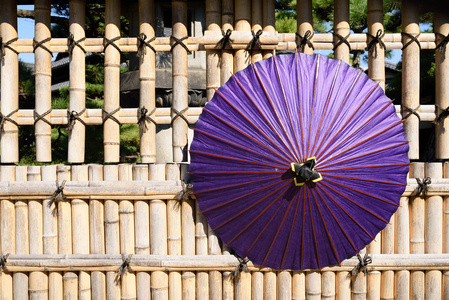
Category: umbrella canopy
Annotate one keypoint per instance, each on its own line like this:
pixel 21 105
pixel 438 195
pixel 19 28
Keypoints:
pixel 298 161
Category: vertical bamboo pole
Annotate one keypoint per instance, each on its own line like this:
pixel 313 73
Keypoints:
pixel 341 27
pixel 299 285
pixel 343 285
pixel 328 288
pixel 142 214
pixel 304 20
pixel 285 285
pixel 410 75
pixel 228 286
pixel 376 57
pixel 374 277
pixel 270 286
pixel 97 234
pixel 227 56
pixel 112 232
pixel 158 234
pixel 42 71
pixel 243 286
pixel 256 286
pixel 112 82
pixel 38 281
pixel 257 23
pixel 387 288
pixel 242 13
pixel 9 70
pixel 313 285
pixel 446 232
pixel 147 74
pixel 441 86
pixel 50 237
pixel 7 232
pixel 268 22
pixel 70 280
pixel 434 232
pixel 417 237
pixel 213 22
pixel 180 83
pixel 174 234
pixel 80 230
pixel 202 278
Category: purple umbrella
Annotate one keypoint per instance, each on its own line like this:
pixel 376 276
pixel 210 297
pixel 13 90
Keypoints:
pixel 298 161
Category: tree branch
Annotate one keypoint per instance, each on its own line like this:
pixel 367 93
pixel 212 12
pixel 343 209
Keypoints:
pixel 29 14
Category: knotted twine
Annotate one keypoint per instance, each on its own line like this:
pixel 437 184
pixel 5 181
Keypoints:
pixel 363 264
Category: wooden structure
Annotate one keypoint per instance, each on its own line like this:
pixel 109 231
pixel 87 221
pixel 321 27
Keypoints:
pixel 121 231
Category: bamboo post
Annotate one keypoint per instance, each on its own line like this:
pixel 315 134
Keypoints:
pixel 158 234
pixel 299 285
pixel 328 288
pixel 112 232
pixel 268 22
pixel 80 230
pixel 446 231
pixel 202 278
pixel 304 21
pixel 42 71
pixel 313 285
pixel 215 277
pixel 147 74
pixel 257 23
pixel 70 280
pixel 374 277
pixel 174 234
pixel 376 55
pixel 228 286
pixel 213 22
pixel 441 87
pixel 410 75
pixel 180 83
pixel 97 243
pixel 142 215
pixel 9 70
pixel 285 285
pixel 77 85
pixel 243 286
pixel 387 288
pixel 50 236
pixel 256 286
pixel 434 232
pixel 242 13
pixel 417 237
pixel 227 55
pixel 270 286
pixel 111 129
pixel 343 282
pixel 341 27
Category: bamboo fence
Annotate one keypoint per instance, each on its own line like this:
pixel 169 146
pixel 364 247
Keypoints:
pixel 121 231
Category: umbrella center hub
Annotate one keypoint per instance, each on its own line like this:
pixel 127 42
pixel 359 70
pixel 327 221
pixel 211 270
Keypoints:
pixel 305 172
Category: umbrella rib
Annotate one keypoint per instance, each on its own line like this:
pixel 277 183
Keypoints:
pixel 275 112
pixel 347 121
pixel 286 105
pixel 241 147
pixel 313 103
pixel 369 180
pixel 246 227
pixel 356 130
pixel 358 144
pixel 247 135
pixel 363 193
pixel 299 105
pixel 257 128
pixel 303 231
pixel 313 229
pixel 361 167
pixel 237 172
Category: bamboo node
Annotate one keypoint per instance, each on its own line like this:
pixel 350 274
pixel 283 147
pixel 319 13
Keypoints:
pixel 124 267
pixel 141 50
pixel 302 41
pixel 376 40
pixel 179 42
pixel 110 115
pixel 40 44
pixel 107 42
pixel 441 46
pixel 38 117
pixel 225 40
pixel 179 114
pixel 363 264
pixel 72 117
pixel 3 259
pixel 57 196
pixel 71 43
pixel 341 40
pixel 440 117
pixel 4 118
pixel 256 40
pixel 411 111
pixel 413 38
pixel 144 118
pixel 423 186
pixel 7 45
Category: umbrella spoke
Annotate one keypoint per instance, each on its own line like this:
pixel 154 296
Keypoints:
pixel 369 180
pixel 299 105
pixel 236 172
pixel 313 103
pixel 361 167
pixel 313 230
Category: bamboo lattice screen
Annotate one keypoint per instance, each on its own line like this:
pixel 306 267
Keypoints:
pixel 78 244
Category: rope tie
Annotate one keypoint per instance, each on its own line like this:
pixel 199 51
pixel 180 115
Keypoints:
pixel 363 264
pixel 58 194
pixel 442 45
pixel 302 41
pixel 3 259
pixel 7 45
pixel 108 42
pixel 242 266
pixel 124 267
pixel 141 50
pixel 179 42
pixel 71 43
pixel 225 40
pixel 110 116
pixel 376 40
pixel 411 111
pixel 72 117
pixel 186 193
pixel 4 118
pixel 40 44
pixel 256 40
pixel 38 117
pixel 341 40
pixel 144 117
pixel 423 186
pixel 442 115
pixel 413 38
pixel 179 114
